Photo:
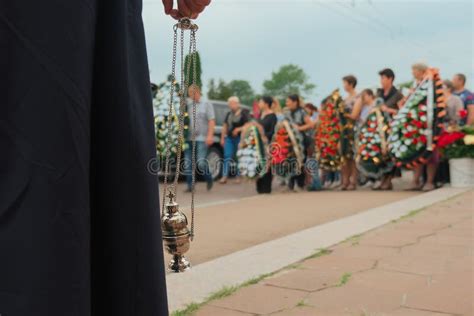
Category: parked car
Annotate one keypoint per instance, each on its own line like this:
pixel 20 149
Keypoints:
pixel 215 153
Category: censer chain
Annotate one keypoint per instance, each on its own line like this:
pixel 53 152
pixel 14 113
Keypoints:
pixel 170 120
pixel 184 84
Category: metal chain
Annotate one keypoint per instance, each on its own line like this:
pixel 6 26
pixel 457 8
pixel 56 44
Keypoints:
pixel 184 84
pixel 193 185
pixel 182 104
pixel 170 119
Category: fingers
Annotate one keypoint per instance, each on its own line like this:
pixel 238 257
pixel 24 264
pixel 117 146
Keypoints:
pixel 184 9
pixel 175 14
pixel 197 6
pixel 168 4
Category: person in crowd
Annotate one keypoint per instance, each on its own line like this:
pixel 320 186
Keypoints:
pixel 359 113
pixel 297 116
pixel 459 83
pixel 362 108
pixel 349 170
pixel 388 92
pixel 234 121
pixel 391 98
pixel 276 108
pixel 454 104
pixel 367 104
pixel 204 131
pixel 418 71
pixel 313 180
pixel 267 123
pixel 312 111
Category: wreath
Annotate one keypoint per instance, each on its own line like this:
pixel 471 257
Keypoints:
pixel 332 137
pixel 417 126
pixel 372 153
pixel 286 150
pixel 161 112
pixel 251 153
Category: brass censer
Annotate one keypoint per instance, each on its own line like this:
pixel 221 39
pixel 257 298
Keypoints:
pixel 177 236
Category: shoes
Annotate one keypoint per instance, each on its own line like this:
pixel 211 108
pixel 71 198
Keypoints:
pixel 223 180
pixel 187 190
pixel 299 189
pixel 428 187
pixel 287 190
pixel 351 187
pixel 335 184
pixel 414 187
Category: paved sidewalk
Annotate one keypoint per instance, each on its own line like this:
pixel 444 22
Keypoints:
pixel 419 265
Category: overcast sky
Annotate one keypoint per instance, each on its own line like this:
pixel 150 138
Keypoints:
pixel 248 39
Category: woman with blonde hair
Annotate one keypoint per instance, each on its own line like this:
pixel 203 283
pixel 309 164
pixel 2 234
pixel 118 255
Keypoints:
pixel 276 108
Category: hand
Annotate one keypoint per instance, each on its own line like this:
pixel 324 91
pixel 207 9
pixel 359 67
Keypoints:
pixel 222 142
pixel 235 132
pixel 384 108
pixel 186 8
pixel 209 141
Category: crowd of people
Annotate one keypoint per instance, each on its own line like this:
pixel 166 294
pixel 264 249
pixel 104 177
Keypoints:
pixel 305 120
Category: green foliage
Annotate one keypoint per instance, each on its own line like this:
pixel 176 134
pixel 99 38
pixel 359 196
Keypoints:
pixel 321 252
pixel 344 278
pixel 223 90
pixel 288 79
pixel 219 91
pixel 243 90
pixel 189 76
pixel 459 149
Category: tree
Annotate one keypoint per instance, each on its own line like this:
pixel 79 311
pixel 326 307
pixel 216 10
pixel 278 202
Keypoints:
pixel 223 90
pixel 289 79
pixel 243 90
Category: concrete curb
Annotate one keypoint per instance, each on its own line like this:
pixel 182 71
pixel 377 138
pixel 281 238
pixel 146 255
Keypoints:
pixel 204 279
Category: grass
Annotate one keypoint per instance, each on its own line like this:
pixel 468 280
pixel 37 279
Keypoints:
pixel 222 293
pixel 301 304
pixel 229 290
pixel 409 215
pixel 344 278
pixel 354 240
pixel 189 310
pixel 321 252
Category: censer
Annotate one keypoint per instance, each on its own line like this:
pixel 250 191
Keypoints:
pixel 177 236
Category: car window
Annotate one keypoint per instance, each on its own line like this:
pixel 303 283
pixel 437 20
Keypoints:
pixel 221 111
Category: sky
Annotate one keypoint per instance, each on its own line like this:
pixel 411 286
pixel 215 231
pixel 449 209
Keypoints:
pixel 249 39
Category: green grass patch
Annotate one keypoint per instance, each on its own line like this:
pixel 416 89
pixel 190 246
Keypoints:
pixel 321 252
pixel 189 310
pixel 344 278
pixel 353 240
pixel 409 215
pixel 222 293
pixel 301 303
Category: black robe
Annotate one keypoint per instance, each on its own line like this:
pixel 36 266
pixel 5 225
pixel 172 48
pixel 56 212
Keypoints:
pixel 79 208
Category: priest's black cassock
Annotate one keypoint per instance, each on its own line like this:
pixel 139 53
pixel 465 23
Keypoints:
pixel 79 210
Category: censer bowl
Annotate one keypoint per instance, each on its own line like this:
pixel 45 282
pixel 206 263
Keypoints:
pixel 176 237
